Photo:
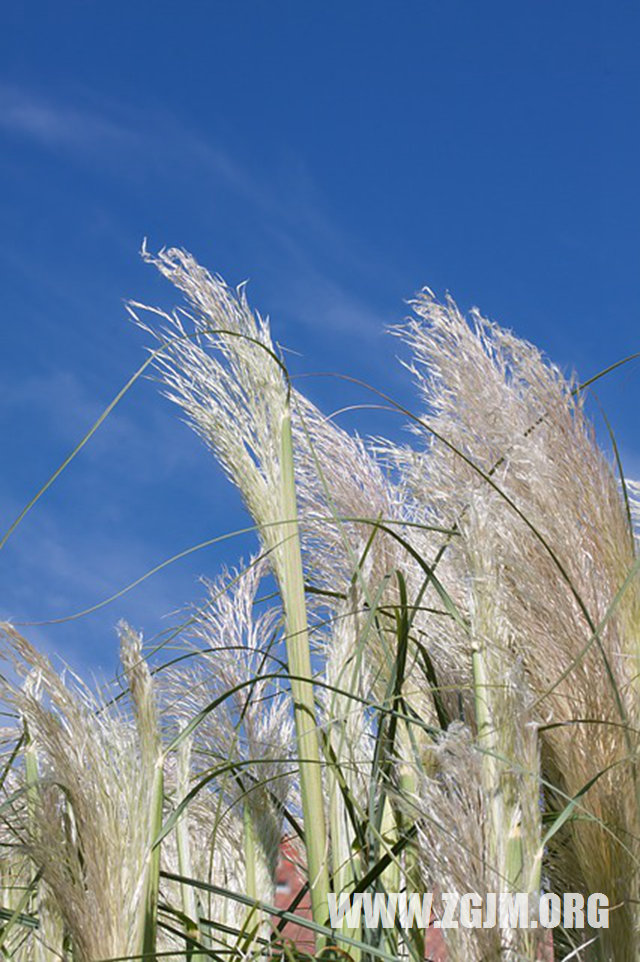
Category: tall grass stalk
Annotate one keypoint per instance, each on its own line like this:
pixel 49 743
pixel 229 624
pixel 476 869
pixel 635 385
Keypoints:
pixel 183 844
pixel 152 765
pixel 241 406
pixel 298 653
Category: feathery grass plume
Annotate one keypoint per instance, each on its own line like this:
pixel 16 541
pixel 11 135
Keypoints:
pixel 452 809
pixel 249 736
pixel 93 814
pixel 349 508
pixel 152 762
pixel 506 735
pixel 511 431
pixel 234 390
pixel 342 478
pixel 32 926
pixel 342 492
pixel 376 533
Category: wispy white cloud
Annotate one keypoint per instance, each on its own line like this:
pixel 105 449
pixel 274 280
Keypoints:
pixel 281 191
pixel 132 135
pixel 324 305
pixel 56 125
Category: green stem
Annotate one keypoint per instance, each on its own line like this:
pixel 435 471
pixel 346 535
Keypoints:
pixel 299 662
pixel 344 876
pixel 183 842
pixel 150 930
pixel 408 787
pixel 507 856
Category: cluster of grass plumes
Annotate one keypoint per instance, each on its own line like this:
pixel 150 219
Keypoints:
pixel 427 676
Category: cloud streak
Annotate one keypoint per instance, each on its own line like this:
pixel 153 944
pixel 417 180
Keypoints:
pixel 54 125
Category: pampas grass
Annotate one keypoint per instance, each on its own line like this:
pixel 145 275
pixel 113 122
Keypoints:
pixel 86 818
pixel 239 402
pixel 441 695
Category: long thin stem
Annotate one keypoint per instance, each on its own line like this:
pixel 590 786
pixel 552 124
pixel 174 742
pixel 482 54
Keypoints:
pixel 183 843
pixel 299 660
pixel 150 930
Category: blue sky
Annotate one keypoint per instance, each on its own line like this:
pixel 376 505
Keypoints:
pixel 339 156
